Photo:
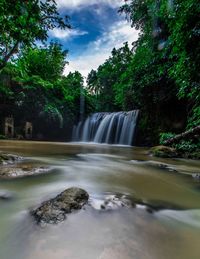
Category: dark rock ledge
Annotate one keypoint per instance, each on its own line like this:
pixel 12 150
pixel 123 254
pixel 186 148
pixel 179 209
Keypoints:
pixel 54 210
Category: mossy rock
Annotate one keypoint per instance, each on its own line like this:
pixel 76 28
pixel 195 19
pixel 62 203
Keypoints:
pixel 54 210
pixel 164 152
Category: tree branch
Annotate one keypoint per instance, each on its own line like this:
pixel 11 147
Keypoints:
pixel 187 134
pixel 7 57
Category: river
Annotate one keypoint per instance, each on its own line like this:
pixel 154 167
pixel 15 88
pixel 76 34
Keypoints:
pixel 102 170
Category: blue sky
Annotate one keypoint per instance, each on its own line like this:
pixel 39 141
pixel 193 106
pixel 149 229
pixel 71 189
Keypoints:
pixel 97 28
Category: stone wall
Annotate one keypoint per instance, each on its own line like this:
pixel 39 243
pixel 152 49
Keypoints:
pixel 28 130
pixel 9 127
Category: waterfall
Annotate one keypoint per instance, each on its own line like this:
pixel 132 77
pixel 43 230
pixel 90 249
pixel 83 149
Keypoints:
pixel 111 128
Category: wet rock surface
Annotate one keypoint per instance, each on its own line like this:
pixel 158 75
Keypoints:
pixel 117 201
pixel 196 176
pixel 7 172
pixel 168 167
pixel 12 166
pixel 6 195
pixel 54 210
pixel 6 159
pixel 112 202
pixel 164 152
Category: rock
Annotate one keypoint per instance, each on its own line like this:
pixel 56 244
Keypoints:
pixel 5 195
pixel 23 171
pixel 114 201
pixel 117 201
pixel 163 151
pixel 196 176
pixel 6 159
pixel 54 211
pixel 164 166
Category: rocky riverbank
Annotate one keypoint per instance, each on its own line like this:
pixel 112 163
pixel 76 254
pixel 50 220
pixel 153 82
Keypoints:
pixel 6 159
pixel 11 166
pixel 21 171
pixel 170 152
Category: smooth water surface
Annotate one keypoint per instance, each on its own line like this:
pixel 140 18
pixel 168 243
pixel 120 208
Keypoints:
pixel 95 234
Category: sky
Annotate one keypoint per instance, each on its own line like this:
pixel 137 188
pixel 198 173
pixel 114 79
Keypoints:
pixel 97 29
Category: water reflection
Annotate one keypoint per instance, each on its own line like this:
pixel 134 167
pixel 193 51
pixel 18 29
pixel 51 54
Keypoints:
pixel 93 233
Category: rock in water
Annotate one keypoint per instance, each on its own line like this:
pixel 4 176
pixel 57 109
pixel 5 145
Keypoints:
pixel 6 159
pixel 163 151
pixel 54 211
pixel 5 195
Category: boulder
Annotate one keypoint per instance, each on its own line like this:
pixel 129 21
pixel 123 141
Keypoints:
pixel 10 172
pixel 54 210
pixel 163 151
pixel 8 158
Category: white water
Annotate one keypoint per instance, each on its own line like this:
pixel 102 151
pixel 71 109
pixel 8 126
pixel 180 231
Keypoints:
pixel 102 170
pixel 111 128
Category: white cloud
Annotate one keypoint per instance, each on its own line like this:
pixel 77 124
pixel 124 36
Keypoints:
pixel 82 3
pixel 98 51
pixel 65 34
pixel 84 64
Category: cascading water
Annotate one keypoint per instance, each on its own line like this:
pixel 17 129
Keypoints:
pixel 111 128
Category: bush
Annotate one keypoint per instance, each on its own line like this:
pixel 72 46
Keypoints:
pixel 165 136
pixel 187 146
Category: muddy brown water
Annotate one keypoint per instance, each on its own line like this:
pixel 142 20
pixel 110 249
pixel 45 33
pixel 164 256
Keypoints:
pixel 124 233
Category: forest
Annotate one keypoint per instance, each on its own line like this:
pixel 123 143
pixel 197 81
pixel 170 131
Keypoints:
pixel 158 75
pixel 99 129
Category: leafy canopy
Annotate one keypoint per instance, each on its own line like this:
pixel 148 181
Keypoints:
pixel 25 21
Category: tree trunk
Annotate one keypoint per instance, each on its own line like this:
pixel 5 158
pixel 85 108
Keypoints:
pixel 8 56
pixel 185 135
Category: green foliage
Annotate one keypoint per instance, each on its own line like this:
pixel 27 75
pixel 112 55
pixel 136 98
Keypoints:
pixel 187 146
pixel 52 114
pixel 34 89
pixel 52 65
pixel 160 75
pixel 165 136
pixel 23 22
pixel 194 119
pixel 103 82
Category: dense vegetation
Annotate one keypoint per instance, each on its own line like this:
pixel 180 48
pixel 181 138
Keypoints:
pixel 159 75
pixel 32 87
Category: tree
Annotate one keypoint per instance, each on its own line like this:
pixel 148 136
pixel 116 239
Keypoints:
pixel 159 76
pixel 102 82
pixel 35 89
pixel 25 21
pixel 48 62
